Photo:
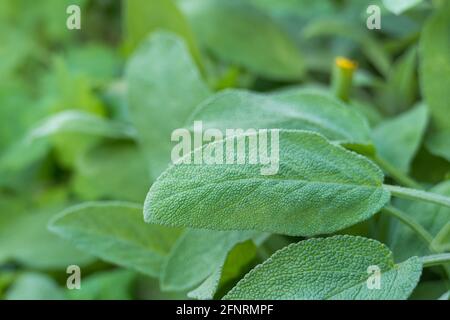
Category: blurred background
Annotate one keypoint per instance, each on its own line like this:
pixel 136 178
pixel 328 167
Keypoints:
pixel 66 135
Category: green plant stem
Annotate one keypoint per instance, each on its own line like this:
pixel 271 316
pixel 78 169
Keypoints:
pixel 435 259
pixel 397 175
pixel 342 77
pixel 416 227
pixel 413 194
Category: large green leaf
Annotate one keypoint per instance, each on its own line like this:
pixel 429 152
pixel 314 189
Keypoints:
pixel 164 86
pixel 196 255
pixel 115 232
pixel 405 242
pixel 319 188
pixel 330 268
pixel 289 110
pixel 228 30
pixel 397 141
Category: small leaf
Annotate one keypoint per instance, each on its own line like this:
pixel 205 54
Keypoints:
pixel 333 268
pixel 288 110
pixel 397 141
pixel 164 87
pixel 319 188
pixel 196 255
pixel 115 232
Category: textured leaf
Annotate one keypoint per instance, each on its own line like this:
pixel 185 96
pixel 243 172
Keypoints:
pixel 35 286
pixel 164 86
pixel 115 232
pixel 289 110
pixel 403 241
pixel 397 141
pixel 330 268
pixel 227 29
pixel 319 188
pixel 196 255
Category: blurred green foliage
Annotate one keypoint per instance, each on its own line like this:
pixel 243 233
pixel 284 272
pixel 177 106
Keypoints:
pixel 86 115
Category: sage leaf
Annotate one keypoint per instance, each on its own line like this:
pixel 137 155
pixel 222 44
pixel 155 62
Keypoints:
pixel 397 141
pixel 164 87
pixel 289 110
pixel 319 188
pixel 114 231
pixel 333 268
pixel 196 255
